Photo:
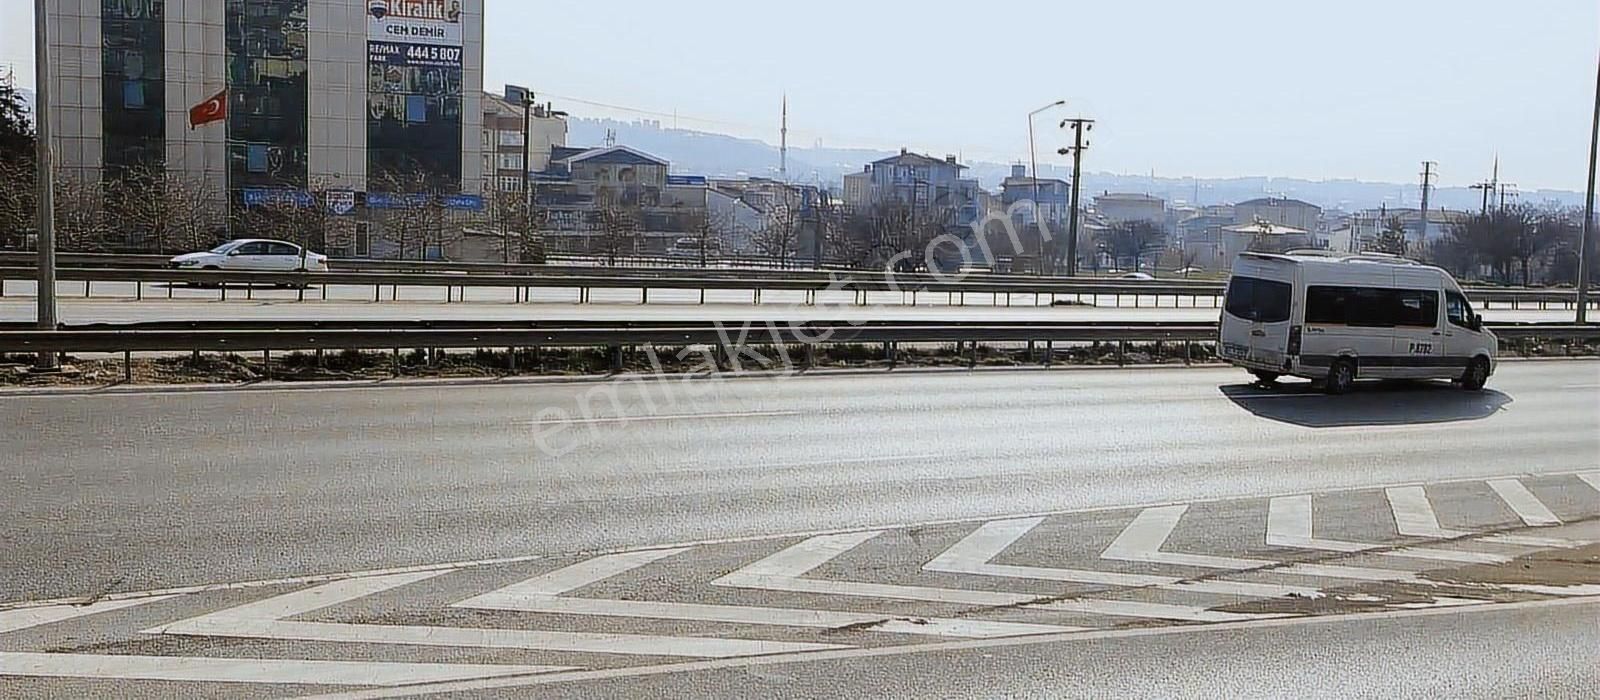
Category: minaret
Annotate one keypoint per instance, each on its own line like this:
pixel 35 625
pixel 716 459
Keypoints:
pixel 783 147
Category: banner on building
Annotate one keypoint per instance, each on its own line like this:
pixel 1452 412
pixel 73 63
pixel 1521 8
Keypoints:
pixel 340 202
pixel 415 67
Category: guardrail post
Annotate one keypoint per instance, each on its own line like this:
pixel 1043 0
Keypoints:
pixel 249 290
pixel 1030 351
pixel 972 354
pixel 809 358
pixel 394 363
pixel 889 353
pixel 127 367
pixel 138 291
pixel 1049 352
pixel 1122 352
pixel 644 295
pixel 616 358
pixel 224 287
pixel 511 359
pixel 1188 353
pixel 86 284
pixel 266 363
pixel 377 293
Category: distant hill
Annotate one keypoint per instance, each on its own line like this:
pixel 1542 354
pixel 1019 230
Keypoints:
pixel 721 155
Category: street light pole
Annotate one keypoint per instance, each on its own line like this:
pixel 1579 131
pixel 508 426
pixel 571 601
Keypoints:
pixel 1586 247
pixel 1033 159
pixel 46 182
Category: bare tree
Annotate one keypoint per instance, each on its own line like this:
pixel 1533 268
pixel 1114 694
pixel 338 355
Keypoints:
pixel 415 218
pixel 618 231
pixel 1132 240
pixel 1392 239
pixel 175 211
pixel 780 231
pixel 18 207
pixel 81 222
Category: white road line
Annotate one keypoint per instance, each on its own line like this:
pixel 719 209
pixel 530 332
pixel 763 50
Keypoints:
pixel 1143 539
pixel 539 594
pixel 23 618
pixel 665 417
pixel 1524 503
pixel 1591 478
pixel 285 671
pixel 1529 541
pixel 861 655
pixel 523 559
pixel 264 620
pixel 783 571
pixel 973 555
pixel 1414 516
pixel 1289 525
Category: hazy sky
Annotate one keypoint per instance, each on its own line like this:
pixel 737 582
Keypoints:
pixel 1354 88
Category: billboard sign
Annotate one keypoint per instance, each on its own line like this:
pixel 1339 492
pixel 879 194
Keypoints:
pixel 415 21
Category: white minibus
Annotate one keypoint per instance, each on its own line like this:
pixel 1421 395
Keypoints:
pixel 1335 318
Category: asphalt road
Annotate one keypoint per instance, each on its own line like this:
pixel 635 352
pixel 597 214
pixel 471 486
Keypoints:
pixel 1530 652
pixel 129 492
pixel 997 533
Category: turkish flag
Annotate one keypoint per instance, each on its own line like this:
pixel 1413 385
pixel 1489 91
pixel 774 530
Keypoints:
pixel 212 110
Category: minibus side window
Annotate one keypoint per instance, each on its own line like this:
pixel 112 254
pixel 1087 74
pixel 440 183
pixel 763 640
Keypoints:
pixel 1415 307
pixel 1352 306
pixel 1254 299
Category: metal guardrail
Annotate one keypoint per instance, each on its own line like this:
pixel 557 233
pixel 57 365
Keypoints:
pixel 862 284
pixel 159 338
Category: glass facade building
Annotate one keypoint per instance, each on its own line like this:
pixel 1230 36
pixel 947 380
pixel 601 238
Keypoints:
pixel 268 93
pixel 340 96
pixel 133 84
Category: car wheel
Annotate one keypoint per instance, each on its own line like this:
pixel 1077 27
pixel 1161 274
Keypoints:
pixel 1476 376
pixel 1268 378
pixel 1341 377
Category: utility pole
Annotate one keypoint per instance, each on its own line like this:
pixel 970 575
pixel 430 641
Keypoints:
pixel 1586 247
pixel 1078 127
pixel 46 182
pixel 1427 185
pixel 1487 187
pixel 1507 189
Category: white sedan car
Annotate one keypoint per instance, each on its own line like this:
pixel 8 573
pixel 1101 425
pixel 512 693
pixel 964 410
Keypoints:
pixel 255 255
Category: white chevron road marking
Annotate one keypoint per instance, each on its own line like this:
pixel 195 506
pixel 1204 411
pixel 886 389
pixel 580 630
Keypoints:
pixel 1143 539
pixel 783 571
pixel 1527 506
pixel 974 554
pixel 1289 525
pixel 265 620
pixel 23 618
pixel 540 594
pixel 285 671
pixel 1414 516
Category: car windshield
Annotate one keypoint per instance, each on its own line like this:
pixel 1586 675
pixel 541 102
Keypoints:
pixel 224 248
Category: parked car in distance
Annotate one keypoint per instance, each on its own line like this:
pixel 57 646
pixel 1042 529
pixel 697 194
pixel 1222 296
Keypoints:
pixel 253 255
pixel 685 248
pixel 1142 276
